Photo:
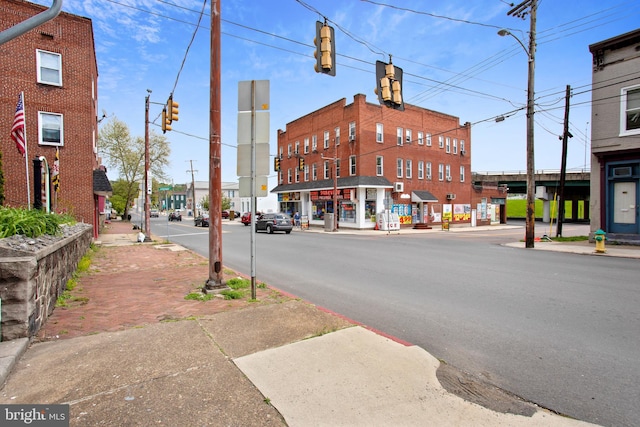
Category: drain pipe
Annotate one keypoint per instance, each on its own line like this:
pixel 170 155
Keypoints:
pixel 31 23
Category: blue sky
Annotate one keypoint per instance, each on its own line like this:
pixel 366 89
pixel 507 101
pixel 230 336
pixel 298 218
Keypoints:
pixel 452 58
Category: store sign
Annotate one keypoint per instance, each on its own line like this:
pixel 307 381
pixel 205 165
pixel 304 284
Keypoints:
pixel 342 194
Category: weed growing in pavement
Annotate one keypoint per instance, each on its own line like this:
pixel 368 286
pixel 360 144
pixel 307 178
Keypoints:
pixel 231 294
pixel 238 283
pixel 197 295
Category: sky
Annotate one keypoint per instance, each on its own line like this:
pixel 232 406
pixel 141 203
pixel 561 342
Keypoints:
pixel 452 58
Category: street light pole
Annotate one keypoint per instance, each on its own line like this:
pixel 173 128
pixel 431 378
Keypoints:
pixel 519 10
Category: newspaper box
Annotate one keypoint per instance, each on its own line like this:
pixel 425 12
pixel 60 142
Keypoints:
pixel 388 221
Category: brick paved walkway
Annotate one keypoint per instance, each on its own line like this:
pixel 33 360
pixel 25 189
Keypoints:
pixel 128 286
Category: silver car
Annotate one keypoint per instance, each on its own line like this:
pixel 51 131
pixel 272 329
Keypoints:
pixel 271 222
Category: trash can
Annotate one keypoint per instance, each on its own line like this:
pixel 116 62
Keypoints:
pixel 328 222
pixel 232 215
pixel 445 224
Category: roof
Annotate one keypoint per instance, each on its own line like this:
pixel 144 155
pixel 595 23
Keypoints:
pixel 101 184
pixel 350 181
pixel 423 196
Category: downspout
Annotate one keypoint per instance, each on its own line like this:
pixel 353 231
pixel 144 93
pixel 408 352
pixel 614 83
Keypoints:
pixel 31 23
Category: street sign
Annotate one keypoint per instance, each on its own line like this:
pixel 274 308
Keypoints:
pixel 165 188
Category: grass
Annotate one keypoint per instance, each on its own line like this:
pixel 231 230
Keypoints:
pixel 67 298
pixel 31 222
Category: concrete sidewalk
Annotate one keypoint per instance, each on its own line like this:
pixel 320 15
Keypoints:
pixel 137 353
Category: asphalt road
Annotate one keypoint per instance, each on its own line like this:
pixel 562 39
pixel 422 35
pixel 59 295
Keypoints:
pixel 560 330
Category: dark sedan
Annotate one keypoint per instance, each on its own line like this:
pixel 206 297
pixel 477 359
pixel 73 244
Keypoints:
pixel 201 220
pixel 175 216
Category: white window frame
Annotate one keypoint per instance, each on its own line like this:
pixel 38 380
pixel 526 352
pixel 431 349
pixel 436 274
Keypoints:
pixel 447 171
pixel 314 172
pixel 379 133
pixel 352 165
pixel 45 60
pixel 352 131
pixel 337 168
pixel 326 169
pixel 337 131
pixel 326 139
pixel 399 167
pixel 289 176
pixel 289 150
pixel 462 145
pixel 428 168
pixel 626 111
pixel 440 172
pixel 408 136
pixel 314 143
pixel 428 140
pixel 379 165
pixel 420 169
pixel 306 173
pixel 455 145
pixel 448 145
pixel 297 149
pixel 461 173
pixel 306 146
pixel 399 135
pixel 408 168
pixel 46 118
pixel 420 137
pixel 441 141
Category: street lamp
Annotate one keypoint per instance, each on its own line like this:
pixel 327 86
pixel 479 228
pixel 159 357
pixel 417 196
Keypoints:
pixel 531 181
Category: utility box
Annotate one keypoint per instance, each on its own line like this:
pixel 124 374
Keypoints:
pixel 328 221
pixel 388 221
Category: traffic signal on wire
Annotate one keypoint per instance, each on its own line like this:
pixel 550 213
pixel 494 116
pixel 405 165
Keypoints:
pixel 301 163
pixel 325 49
pixel 166 124
pixel 172 110
pixel 276 164
pixel 389 85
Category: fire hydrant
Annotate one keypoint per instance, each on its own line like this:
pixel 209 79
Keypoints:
pixel 600 237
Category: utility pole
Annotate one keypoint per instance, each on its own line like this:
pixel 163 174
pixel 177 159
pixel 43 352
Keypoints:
pixel 215 281
pixel 147 162
pixel 563 169
pixel 193 189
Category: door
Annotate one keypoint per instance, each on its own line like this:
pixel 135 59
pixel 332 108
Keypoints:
pixel 624 217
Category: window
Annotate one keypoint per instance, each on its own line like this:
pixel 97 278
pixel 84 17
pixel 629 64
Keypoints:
pixel 280 152
pixel 338 136
pixel 409 166
pixel 326 169
pixel 289 176
pixel 280 175
pixel 448 172
pixel 352 165
pixel 326 139
pixel 448 149
pixel 289 150
pixel 314 143
pixel 408 137
pixel 440 172
pixel 379 166
pixel 630 111
pixel 420 138
pixel 297 147
pixel 462 146
pixel 306 173
pixel 50 129
pixel 455 145
pixel 352 131
pixel 441 141
pixel 399 135
pixel 461 173
pixel 314 172
pixel 399 168
pixel 297 176
pixel 338 168
pixel 428 170
pixel 49 67
pixel 420 169
pixel 379 133
pixel 429 140
pixel 306 146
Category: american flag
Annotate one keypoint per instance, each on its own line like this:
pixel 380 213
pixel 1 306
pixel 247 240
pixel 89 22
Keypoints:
pixel 17 131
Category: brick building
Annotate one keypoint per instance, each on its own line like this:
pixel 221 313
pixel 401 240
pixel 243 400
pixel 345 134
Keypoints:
pixel 417 163
pixel 54 65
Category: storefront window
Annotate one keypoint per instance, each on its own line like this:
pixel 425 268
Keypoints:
pixel 348 212
pixel 370 210
pixel 318 210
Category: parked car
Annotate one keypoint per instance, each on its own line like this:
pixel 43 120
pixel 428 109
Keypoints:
pixel 246 217
pixel 175 216
pixel 201 220
pixel 154 213
pixel 271 222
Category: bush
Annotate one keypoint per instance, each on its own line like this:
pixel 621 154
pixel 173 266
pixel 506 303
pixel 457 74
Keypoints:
pixel 30 223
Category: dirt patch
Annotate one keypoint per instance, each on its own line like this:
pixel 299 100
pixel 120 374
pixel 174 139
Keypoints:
pixel 473 389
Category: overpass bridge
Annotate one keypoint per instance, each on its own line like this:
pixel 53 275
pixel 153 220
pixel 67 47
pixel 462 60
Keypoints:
pixel 577 187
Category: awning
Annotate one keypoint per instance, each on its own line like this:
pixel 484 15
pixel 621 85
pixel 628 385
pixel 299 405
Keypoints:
pixel 422 196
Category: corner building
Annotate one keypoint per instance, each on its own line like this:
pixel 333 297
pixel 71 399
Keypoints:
pixel 416 163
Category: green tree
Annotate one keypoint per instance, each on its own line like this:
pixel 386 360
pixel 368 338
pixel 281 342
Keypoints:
pixel 126 154
pixel 204 202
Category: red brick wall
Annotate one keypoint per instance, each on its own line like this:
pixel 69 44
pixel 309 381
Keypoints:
pixel 72 37
pixel 367 115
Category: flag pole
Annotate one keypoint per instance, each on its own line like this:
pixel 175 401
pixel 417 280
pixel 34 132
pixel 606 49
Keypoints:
pixel 26 152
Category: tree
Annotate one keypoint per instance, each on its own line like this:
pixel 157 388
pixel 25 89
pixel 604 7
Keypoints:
pixel 126 155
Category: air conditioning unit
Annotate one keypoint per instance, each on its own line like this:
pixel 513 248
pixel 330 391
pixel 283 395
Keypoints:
pixel 463 152
pixel 398 187
pixel 352 138
pixel 449 178
pixel 451 196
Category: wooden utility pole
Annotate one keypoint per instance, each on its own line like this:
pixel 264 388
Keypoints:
pixel 215 280
pixel 147 162
pixel 563 169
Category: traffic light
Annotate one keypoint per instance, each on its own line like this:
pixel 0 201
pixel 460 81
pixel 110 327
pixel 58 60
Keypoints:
pixel 172 110
pixel 325 53
pixel 276 164
pixel 166 124
pixel 389 85
pixel 301 163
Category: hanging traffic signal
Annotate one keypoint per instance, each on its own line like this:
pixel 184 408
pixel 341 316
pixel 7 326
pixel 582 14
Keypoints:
pixel 325 53
pixel 276 164
pixel 166 124
pixel 389 85
pixel 300 163
pixel 172 110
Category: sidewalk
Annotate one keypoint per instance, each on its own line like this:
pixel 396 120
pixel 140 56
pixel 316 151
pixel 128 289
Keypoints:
pixel 131 351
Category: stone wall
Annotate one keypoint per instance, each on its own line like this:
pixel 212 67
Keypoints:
pixel 31 281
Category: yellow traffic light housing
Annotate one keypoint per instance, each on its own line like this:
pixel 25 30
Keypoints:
pixel 276 164
pixel 325 53
pixel 166 124
pixel 301 163
pixel 172 110
pixel 389 85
